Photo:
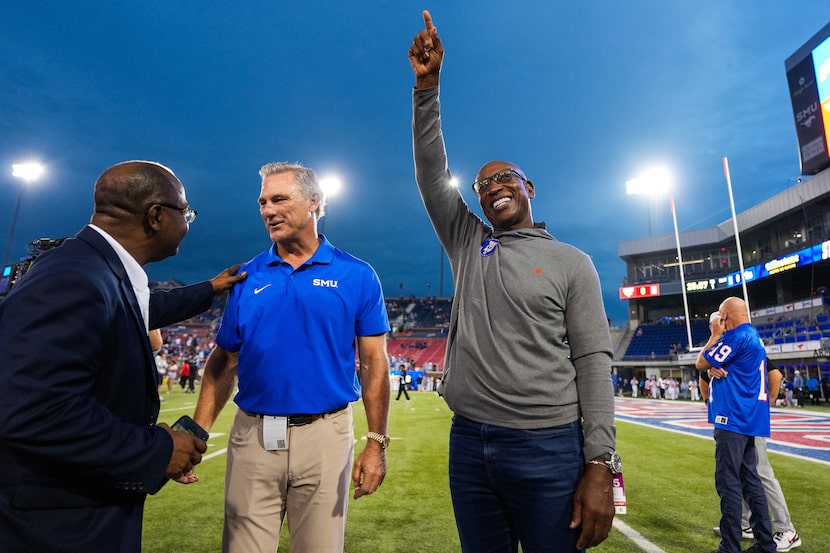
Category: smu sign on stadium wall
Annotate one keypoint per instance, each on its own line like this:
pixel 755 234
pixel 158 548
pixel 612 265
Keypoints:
pixel 640 291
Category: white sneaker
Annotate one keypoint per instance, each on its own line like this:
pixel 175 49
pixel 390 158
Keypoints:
pixel 784 541
pixel 746 533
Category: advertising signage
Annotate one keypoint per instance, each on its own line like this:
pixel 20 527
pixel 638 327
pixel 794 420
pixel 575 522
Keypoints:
pixel 813 254
pixel 808 77
pixel 701 285
pixel 641 291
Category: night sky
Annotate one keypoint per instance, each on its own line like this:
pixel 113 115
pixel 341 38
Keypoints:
pixel 582 95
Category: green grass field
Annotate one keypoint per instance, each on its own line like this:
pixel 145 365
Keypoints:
pixel 668 477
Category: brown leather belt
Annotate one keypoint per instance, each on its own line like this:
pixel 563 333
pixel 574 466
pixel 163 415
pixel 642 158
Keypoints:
pixel 301 420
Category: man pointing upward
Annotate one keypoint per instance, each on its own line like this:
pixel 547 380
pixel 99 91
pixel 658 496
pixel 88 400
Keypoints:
pixel 528 359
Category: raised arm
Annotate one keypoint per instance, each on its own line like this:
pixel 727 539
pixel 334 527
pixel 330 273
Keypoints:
pixel 426 55
pixel 717 329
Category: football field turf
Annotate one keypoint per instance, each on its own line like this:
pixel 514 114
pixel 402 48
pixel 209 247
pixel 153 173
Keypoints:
pixel 670 491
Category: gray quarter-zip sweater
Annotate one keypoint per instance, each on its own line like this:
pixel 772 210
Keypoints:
pixel 529 344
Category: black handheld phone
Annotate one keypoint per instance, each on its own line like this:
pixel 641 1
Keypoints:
pixel 186 424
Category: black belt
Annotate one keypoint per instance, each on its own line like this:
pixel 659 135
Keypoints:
pixel 301 420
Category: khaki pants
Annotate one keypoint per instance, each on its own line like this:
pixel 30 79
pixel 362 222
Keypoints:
pixel 308 483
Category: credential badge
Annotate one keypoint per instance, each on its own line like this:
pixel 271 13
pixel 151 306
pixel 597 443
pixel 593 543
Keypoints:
pixel 489 246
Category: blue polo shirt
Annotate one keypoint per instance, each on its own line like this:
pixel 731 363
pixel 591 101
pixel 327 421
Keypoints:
pixel 740 402
pixel 295 330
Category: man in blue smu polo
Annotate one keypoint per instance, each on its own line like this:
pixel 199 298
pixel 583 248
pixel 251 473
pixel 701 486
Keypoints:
pixel 739 409
pixel 290 336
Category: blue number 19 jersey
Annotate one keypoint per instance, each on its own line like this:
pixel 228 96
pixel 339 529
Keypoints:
pixel 740 402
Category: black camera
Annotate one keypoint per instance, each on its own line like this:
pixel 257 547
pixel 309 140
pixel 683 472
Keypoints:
pixel 13 272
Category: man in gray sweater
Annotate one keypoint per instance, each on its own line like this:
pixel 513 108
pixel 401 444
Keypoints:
pixel 528 362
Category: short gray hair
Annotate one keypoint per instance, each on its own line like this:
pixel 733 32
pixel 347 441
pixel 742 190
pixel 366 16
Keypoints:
pixel 305 178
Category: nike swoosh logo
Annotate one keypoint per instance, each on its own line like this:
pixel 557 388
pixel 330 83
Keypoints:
pixel 258 290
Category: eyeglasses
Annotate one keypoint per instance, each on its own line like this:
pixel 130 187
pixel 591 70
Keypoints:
pixel 189 214
pixel 502 177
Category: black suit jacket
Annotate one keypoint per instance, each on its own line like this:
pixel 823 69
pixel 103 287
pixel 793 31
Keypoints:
pixel 79 449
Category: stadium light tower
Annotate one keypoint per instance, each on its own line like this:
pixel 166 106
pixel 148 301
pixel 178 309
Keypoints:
pixel 655 183
pixel 28 172
pixel 652 183
pixel 331 185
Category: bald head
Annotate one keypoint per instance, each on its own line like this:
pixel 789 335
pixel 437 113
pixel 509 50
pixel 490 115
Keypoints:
pixel 497 165
pixel 128 188
pixel 141 204
pixel 733 312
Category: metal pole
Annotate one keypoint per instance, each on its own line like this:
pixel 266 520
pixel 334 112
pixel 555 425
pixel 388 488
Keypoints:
pixel 682 276
pixel 14 224
pixel 737 236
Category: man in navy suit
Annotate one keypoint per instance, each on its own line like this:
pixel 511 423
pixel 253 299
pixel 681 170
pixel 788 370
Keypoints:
pixel 80 446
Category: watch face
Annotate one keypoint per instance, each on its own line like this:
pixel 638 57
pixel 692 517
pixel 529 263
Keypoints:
pixel 380 438
pixel 615 462
pixel 612 461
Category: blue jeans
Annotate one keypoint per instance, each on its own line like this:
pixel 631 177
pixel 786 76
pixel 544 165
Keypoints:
pixel 513 486
pixel 736 478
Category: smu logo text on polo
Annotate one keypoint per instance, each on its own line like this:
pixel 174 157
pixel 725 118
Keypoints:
pixel 324 283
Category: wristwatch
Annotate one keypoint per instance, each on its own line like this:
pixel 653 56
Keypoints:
pixel 611 460
pixel 382 439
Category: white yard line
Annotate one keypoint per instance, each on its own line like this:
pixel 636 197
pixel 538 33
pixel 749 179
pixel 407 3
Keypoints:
pixel 636 537
pixel 216 454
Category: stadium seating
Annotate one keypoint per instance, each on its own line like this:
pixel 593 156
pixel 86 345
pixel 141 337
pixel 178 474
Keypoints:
pixel 419 350
pixel 794 327
pixel 656 341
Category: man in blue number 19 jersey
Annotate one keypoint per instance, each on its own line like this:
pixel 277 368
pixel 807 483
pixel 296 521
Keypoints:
pixel 739 409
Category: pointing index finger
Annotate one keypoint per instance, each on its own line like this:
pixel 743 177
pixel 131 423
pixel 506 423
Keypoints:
pixel 428 21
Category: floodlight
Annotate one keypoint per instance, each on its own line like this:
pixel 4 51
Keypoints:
pixel 27 171
pixel 330 185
